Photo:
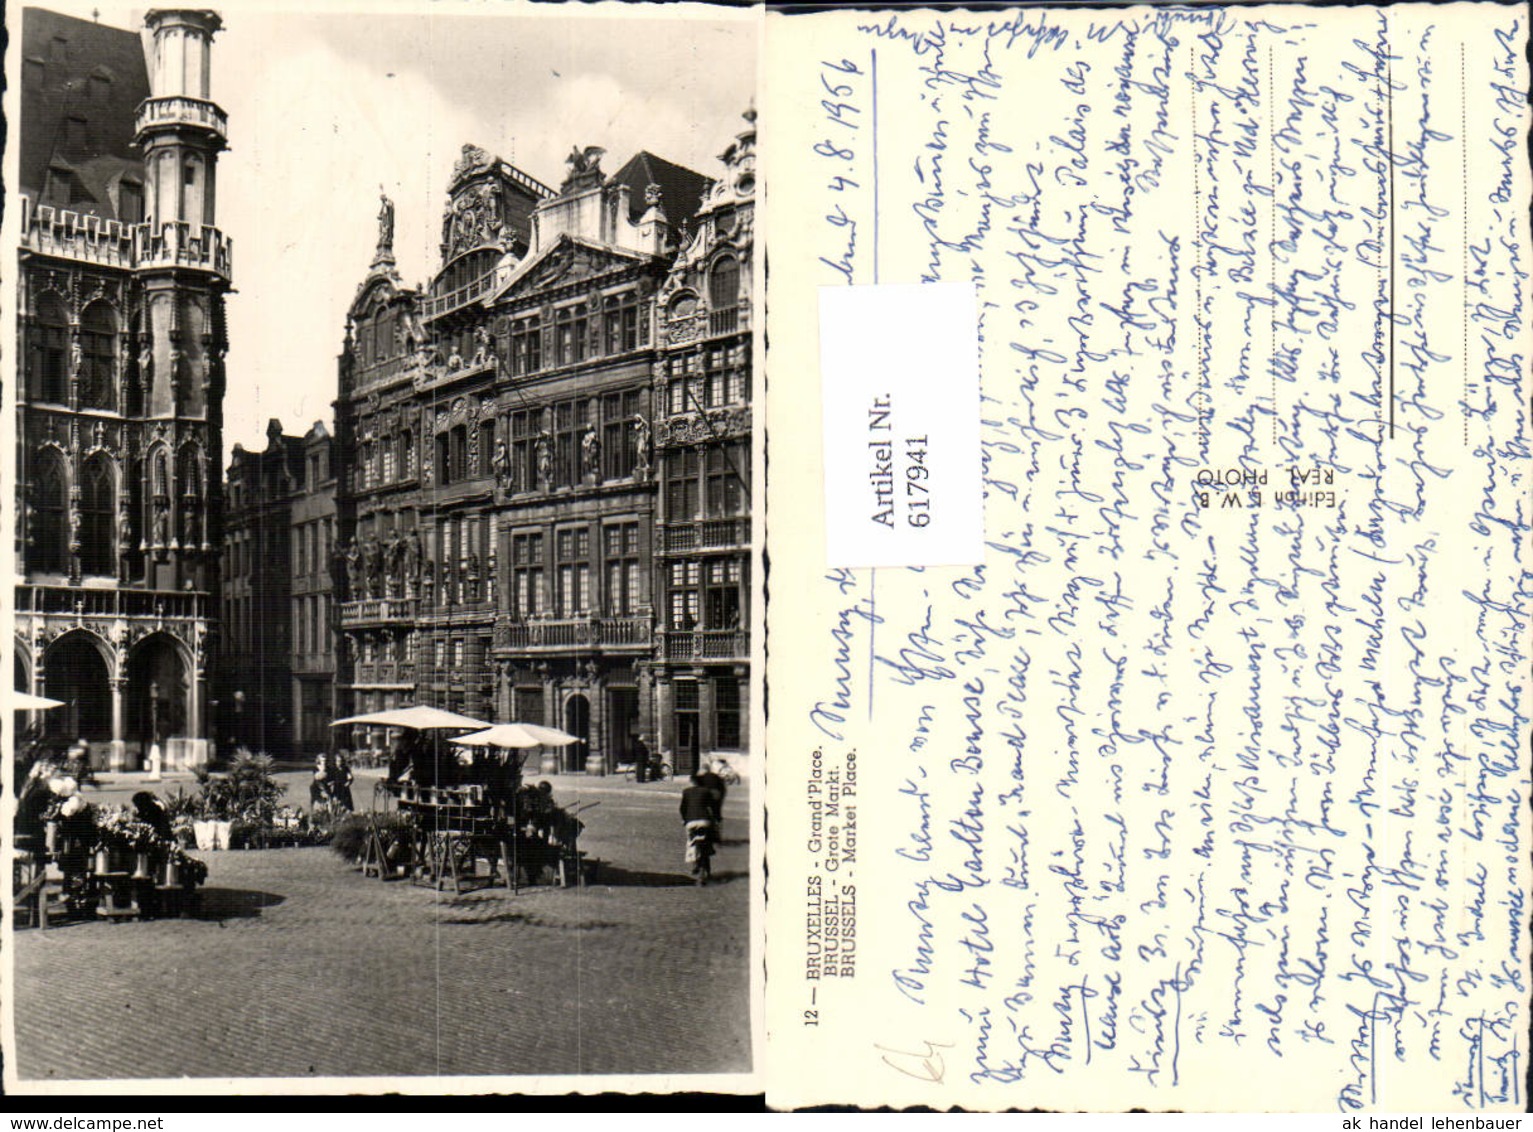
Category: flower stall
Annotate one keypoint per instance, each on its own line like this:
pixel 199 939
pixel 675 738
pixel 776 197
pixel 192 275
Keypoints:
pixel 78 860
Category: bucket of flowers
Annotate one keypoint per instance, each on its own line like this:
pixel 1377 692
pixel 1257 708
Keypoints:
pixel 125 843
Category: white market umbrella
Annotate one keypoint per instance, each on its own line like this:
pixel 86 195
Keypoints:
pixel 25 701
pixel 419 717
pixel 517 735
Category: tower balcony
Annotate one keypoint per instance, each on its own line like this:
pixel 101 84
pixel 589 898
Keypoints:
pixel 177 243
pixel 179 111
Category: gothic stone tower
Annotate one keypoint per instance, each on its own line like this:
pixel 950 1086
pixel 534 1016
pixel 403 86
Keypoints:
pixel 123 275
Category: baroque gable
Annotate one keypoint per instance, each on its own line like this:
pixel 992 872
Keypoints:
pixel 565 264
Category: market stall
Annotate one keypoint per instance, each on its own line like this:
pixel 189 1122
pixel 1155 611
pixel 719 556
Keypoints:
pixel 451 802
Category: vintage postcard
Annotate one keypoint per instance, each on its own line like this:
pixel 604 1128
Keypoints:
pixel 384 618
pixel 1192 771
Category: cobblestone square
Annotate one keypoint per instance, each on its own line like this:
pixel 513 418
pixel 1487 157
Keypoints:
pixel 299 966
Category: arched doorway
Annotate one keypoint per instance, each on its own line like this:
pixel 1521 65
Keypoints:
pixel 75 671
pixel 577 721
pixel 158 690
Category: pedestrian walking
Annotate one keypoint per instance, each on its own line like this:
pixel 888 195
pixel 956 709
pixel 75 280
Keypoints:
pixel 699 806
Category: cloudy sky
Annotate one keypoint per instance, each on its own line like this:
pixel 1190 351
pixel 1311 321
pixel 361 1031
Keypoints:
pixel 325 105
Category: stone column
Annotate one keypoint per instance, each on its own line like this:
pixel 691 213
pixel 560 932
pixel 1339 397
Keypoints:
pixel 118 755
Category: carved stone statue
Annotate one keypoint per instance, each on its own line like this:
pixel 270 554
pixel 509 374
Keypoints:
pixel 641 445
pixel 161 523
pixel 590 453
pixel 125 528
pixel 191 516
pixel 74 530
pixel 372 561
pixel 500 464
pixel 545 462
pixel 354 581
pixel 428 580
pixel 584 161
pixel 412 558
pixel 482 352
pixel 391 567
pixel 385 222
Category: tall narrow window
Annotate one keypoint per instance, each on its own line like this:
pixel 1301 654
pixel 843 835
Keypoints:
pixel 526 574
pixel 726 496
pixel 486 447
pixel 98 349
pixel 407 455
pixel 50 340
pixel 569 427
pixel 50 542
pixel 524 437
pixel 622 323
pixel 620 446
pixel 684 602
pixel 682 493
pixel 457 454
pixel 724 296
pixel 570 335
pixel 621 554
pixel 726 707
pixel 721 605
pixel 572 573
pixel 526 351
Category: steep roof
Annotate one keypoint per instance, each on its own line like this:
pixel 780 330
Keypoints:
pixel 681 190
pixel 82 83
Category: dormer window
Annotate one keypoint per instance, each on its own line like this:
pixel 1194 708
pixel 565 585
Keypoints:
pixel 130 202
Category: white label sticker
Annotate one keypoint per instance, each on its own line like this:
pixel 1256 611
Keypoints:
pixel 899 379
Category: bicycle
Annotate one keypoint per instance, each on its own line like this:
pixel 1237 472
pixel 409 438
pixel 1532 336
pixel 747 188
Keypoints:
pixel 656 770
pixel 728 773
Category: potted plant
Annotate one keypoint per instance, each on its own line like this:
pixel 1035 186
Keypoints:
pixel 239 806
pixel 215 803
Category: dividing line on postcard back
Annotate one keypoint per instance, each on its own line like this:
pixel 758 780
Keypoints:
pixel 899 381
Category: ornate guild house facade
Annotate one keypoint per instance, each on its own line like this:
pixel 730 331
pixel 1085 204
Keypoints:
pixel 122 277
pixel 544 497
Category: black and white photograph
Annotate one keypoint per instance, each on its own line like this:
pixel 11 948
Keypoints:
pixel 385 579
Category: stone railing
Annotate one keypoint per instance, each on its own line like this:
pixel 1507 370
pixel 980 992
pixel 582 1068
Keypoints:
pixel 709 534
pixel 82 602
pixel 699 428
pixel 94 239
pixel 176 243
pixel 181 110
pixel 708 644
pixel 378 611
pixel 72 235
pixel 438 305
pixel 573 633
pixel 385 672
